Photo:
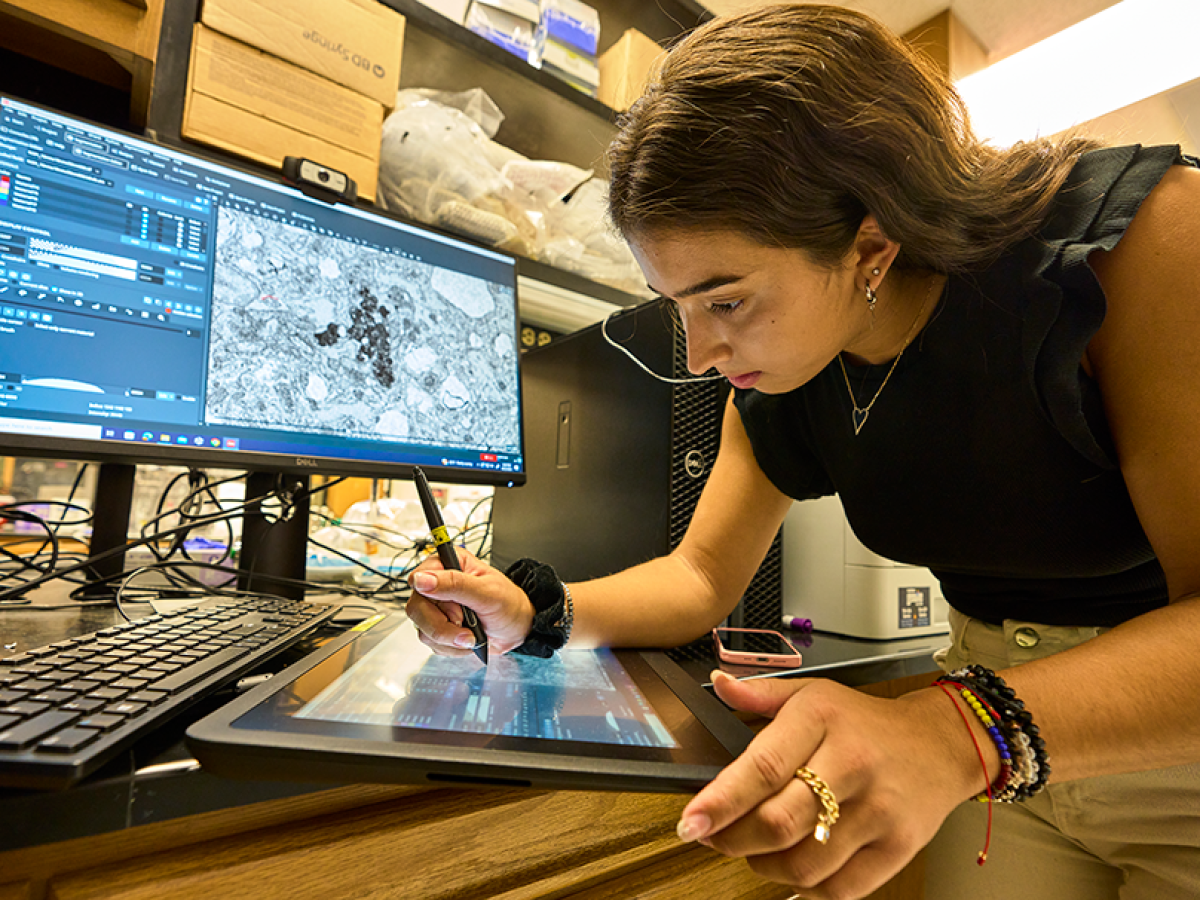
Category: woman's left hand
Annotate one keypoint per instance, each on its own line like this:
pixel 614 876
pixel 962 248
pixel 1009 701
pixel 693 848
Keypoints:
pixel 896 767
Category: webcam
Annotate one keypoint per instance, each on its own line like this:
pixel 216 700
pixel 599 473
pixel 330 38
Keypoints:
pixel 319 181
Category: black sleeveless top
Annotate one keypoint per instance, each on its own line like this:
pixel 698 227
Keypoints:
pixel 987 457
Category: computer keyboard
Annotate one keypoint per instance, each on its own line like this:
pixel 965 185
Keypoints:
pixel 69 707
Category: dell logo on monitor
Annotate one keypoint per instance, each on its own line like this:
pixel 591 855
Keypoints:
pixel 307 462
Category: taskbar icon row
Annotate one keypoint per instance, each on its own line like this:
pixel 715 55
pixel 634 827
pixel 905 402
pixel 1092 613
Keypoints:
pixel 175 439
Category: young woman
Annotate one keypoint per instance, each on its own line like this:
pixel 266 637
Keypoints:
pixel 991 356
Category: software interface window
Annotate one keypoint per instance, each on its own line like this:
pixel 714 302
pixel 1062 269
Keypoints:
pixel 149 297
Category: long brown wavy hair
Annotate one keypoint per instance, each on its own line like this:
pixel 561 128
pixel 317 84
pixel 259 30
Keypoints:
pixel 790 123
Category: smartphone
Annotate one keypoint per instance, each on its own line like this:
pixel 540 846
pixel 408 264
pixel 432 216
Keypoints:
pixel 755 647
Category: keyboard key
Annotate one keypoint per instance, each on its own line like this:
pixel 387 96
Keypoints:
pixel 148 697
pixel 24 708
pixel 58 676
pixel 191 674
pixel 68 740
pixel 84 704
pixel 54 698
pixel 32 685
pixel 31 669
pixel 81 668
pixel 107 694
pixel 79 686
pixel 25 733
pixel 124 708
pixel 75 657
pixel 102 722
pixel 130 683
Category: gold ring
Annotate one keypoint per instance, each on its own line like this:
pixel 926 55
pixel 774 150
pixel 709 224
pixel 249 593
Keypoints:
pixel 829 806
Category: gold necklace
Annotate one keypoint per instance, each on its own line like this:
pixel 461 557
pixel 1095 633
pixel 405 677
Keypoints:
pixel 860 412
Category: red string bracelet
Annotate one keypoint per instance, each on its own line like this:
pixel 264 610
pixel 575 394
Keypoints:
pixel 987 841
pixel 991 721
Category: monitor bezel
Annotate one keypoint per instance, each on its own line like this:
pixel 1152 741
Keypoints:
pixel 15 444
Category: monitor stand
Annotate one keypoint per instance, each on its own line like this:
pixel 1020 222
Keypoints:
pixel 274 551
pixel 111 505
pixel 274 548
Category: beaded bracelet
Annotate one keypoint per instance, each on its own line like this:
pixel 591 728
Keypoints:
pixel 1029 749
pixel 1030 766
pixel 553 607
pixel 990 721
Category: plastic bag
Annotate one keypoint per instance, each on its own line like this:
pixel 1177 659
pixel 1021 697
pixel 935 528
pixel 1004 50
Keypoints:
pixel 581 239
pixel 440 165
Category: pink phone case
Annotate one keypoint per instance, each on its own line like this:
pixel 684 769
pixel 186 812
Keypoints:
pixel 790 660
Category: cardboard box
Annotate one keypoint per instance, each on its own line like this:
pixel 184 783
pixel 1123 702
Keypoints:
pixel 625 67
pixel 357 43
pixel 249 103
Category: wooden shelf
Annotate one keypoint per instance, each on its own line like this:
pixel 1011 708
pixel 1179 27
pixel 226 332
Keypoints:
pixel 545 118
pixel 81 36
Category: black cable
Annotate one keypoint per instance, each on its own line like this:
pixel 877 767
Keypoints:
pixel 189 509
pixel 371 532
pixel 351 559
pixel 13 596
pixel 14 512
pixel 71 494
pixel 7 595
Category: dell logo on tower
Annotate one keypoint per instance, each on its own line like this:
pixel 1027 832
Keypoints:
pixel 695 464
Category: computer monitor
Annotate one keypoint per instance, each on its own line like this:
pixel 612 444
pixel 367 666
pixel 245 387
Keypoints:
pixel 157 306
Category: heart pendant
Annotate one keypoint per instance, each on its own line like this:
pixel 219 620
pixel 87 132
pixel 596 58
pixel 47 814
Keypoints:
pixel 860 419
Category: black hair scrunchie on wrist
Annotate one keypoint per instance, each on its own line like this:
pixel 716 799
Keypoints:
pixel 551 619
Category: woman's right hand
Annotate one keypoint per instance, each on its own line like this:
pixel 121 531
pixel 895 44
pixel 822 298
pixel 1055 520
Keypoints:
pixel 438 595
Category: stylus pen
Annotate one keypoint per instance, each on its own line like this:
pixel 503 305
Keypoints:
pixel 448 556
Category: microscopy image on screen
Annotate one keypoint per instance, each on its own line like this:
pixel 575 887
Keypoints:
pixel 311 332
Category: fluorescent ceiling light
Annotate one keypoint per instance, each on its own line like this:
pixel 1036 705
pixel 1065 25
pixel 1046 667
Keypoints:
pixel 1124 54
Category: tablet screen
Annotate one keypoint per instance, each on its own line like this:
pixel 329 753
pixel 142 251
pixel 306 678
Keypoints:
pixel 573 696
pixel 378 705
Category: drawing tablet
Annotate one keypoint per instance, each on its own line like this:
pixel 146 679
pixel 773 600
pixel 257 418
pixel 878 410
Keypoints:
pixel 376 705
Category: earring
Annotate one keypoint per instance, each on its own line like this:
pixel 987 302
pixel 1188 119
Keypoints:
pixel 872 297
pixel 875 271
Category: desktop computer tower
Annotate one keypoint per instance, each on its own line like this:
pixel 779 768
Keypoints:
pixel 616 459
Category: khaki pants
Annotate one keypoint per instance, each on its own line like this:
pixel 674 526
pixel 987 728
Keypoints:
pixel 1133 837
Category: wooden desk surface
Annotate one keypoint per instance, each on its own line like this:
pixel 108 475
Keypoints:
pixel 382 842
pixel 367 842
